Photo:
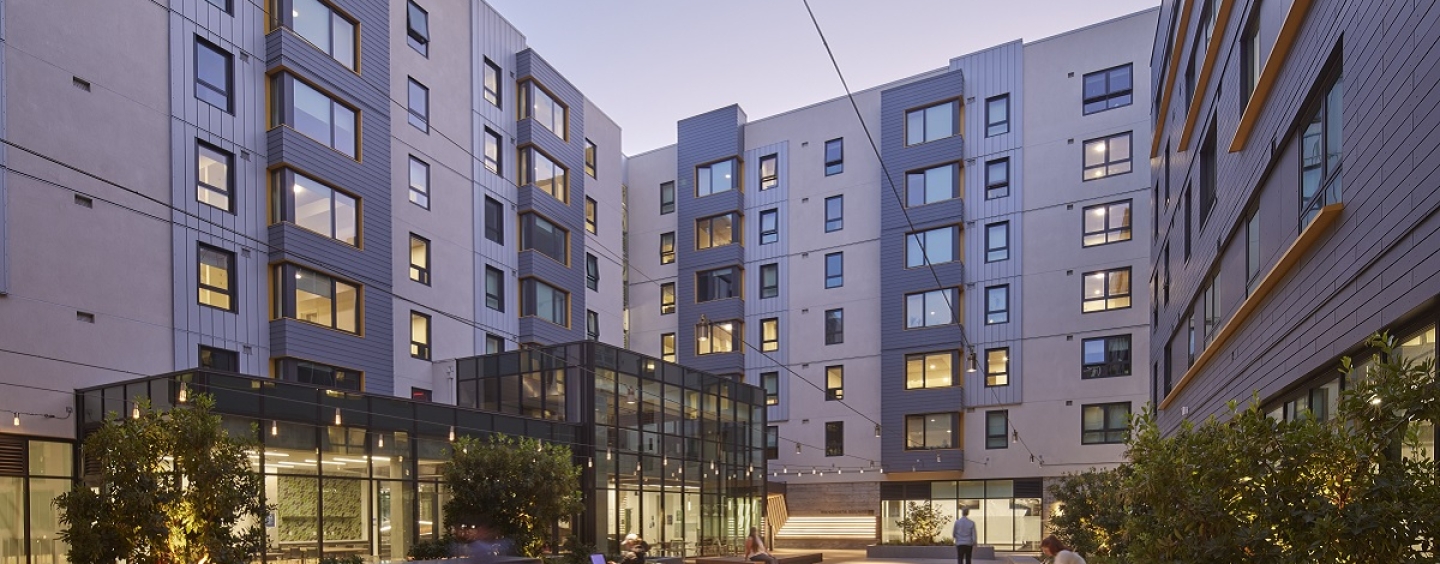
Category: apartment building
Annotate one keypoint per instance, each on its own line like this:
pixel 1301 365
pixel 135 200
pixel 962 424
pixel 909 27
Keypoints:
pixel 950 320
pixel 1292 176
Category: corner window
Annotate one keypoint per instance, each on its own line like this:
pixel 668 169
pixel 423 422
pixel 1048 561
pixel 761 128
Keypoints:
pixel 314 114
pixel 538 170
pixel 1108 89
pixel 997 115
pixel 770 334
pixel 494 288
pixel 1105 423
pixel 592 272
pixel 492 151
pixel 1107 290
pixel 590 158
pixel 215 177
pixel 718 337
pixel 419 183
pixel 316 374
pixel 716 231
pixel 834 326
pixel 592 221
pixel 715 178
pixel 997 427
pixel 769 280
pixel 936 246
pixel 834 270
pixel 997 367
pixel 1320 156
pixel 834 383
pixel 667 347
pixel 997 304
pixel 491 82
pixel 494 220
pixel 538 299
pixel 537 104
pixel 1105 357
pixel 834 213
pixel 770 381
pixel 935 122
pixel 1107 156
pixel 214 75
pixel 307 203
pixel 419 335
pixel 219 359
pixel 667 198
pixel 772 442
pixel 932 431
pixel 834 438
pixel 769 226
pixel 930 309
pixel 312 297
pixel 997 242
pixel 769 171
pixel 717 284
pixel 419 259
pixel 539 234
pixel 667 298
pixel 834 156
pixel 592 325
pixel 1106 223
pixel 932 185
pixel 217 277
pixel 417 28
pixel 997 179
pixel 929 370
pixel 325 28
pixel 667 247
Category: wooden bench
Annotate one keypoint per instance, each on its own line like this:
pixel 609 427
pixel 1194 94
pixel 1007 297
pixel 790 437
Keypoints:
pixel 785 558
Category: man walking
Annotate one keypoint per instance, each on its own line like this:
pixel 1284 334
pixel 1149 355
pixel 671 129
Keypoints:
pixel 964 538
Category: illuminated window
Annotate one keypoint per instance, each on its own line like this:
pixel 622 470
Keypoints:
pixel 307 203
pixel 217 277
pixel 997 367
pixel 312 297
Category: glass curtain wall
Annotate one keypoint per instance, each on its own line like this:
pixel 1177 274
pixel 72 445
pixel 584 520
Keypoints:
pixel 1005 513
pixel 32 474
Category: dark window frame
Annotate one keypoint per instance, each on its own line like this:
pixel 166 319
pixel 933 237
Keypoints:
pixel 229 291
pixel 667 198
pixel 667 256
pixel 1103 168
pixel 835 326
pixel 494 164
pixel 772 442
pixel 417 28
pixel 667 298
pixel 591 158
pixel 674 351
pixel 997 316
pixel 214 353
pixel 923 113
pixel 528 241
pixel 703 189
pixel 494 220
pixel 835 388
pixel 995 440
pixel 418 117
pixel 770 383
pixel 991 127
pixel 592 215
pixel 997 378
pixel 771 290
pixel 420 349
pixel 1108 435
pixel 420 272
pixel 225 91
pixel 282 201
pixel 996 189
pixel 710 285
pixel 834 438
pixel 227 191
pixel 495 297
pixel 592 325
pixel 1325 105
pixel 948 298
pixel 771 179
pixel 923 245
pixel 289 369
pixel 283 112
pixel 1107 366
pixel 1107 234
pixel 1112 97
pixel 529 298
pixel 768 344
pixel 494 96
pixel 835 222
pixel 1106 296
pixel 419 193
pixel 835 165
pixel 951 442
pixel 771 233
pixel 917 185
pixel 993 252
pixel 284 289
pixel 835 279
pixel 925 376
pixel 592 272
pixel 735 231
pixel 557 186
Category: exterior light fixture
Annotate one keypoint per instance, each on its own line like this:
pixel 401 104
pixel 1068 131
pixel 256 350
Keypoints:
pixel 970 362
pixel 274 428
pixel 382 441
pixel 1014 436
pixel 452 433
pixel 135 412
pixel 17 419
pixel 797 448
pixel 877 430
pixel 184 393
pixel 337 417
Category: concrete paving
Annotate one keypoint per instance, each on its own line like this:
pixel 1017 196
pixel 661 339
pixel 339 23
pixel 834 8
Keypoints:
pixel 857 556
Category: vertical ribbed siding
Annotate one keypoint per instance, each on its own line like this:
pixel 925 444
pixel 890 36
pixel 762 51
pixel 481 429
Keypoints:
pixel 756 255
pixel 4 195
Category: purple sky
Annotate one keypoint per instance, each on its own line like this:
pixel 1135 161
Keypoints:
pixel 650 63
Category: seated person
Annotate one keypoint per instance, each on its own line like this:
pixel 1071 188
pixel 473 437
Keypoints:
pixel 633 549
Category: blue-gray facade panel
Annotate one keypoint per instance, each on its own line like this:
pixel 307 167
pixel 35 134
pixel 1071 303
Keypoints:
pixel 703 139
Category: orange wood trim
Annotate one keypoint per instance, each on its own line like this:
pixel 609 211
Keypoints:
pixel 1212 52
pixel 1270 73
pixel 1168 85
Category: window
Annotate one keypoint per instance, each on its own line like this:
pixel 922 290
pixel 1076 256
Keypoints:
pixel 1252 251
pixel 1190 337
pixel 997 179
pixel 1211 298
pixel 309 204
pixel 718 337
pixel 715 178
pixel 222 4
pixel 419 259
pixel 834 213
pixel 834 156
pixel 217 277
pixel 538 170
pixel 769 171
pixel 219 359
pixel 494 344
pixel 314 114
pixel 215 178
pixel 834 270
pixel 419 105
pixel 931 431
pixel 667 247
pixel 492 151
pixel 494 220
pixel 932 185
pixel 770 381
pixel 592 222
pixel 1105 423
pixel 1250 62
pixel 590 157
pixel 770 334
pixel 592 325
pixel 539 234
pixel 997 115
pixel 1107 156
pixel 592 272
pixel 997 367
pixel 667 298
pixel 537 104
pixel 544 301
pixel 1107 290
pixel 667 198
pixel 1105 357
pixel 1106 223
pixel 492 82
pixel 997 242
pixel 667 347
pixel 717 284
pixel 419 335
pixel 1186 210
pixel 772 442
pixel 213 74
pixel 1107 89
pixel 769 280
pixel 315 374
pixel 494 288
pixel 834 383
pixel 312 297
pixel 1208 181
pixel 769 226
pixel 929 370
pixel 935 122
pixel 930 309
pixel 997 304
pixel 834 326
pixel 834 438
pixel 421 394
pixel 325 28
pixel 936 246
pixel 1320 156
pixel 1165 261
pixel 417 28
pixel 716 231
pixel 997 426
pixel 419 183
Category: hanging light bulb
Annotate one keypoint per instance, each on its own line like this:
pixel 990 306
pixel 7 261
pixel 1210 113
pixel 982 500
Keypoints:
pixel 539 447
pixel 862 470
pixel 17 419
pixel 274 428
pixel 877 430
pixel 1014 436
pixel 970 362
pixel 607 454
pixel 184 395
pixel 589 462
pixel 785 469
pixel 382 441
pixel 135 412
pixel 882 469
pixel 813 471
pixel 937 457
pixel 452 433
pixel 337 417
pixel 797 448
pixel 665 461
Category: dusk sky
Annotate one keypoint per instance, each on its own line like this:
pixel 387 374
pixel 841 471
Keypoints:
pixel 650 63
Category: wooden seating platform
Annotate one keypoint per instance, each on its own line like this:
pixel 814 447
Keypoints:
pixel 780 558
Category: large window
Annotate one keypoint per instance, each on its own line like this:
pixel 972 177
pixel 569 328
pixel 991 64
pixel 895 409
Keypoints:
pixel 1108 89
pixel 591 157
pixel 1320 156
pixel 307 203
pixel 494 220
pixel 934 122
pixel 834 213
pixel 932 431
pixel 834 270
pixel 997 179
pixel 1107 156
pixel 419 335
pixel 769 171
pixel 306 295
pixel 314 114
pixel 592 215
pixel 592 272
pixel 930 309
pixel 997 242
pixel 494 288
pixel 538 170
pixel 419 182
pixel 936 246
pixel 717 231
pixel 1106 223
pixel 667 198
pixel 316 374
pixel 492 151
pixel 1105 423
pixel 718 337
pixel 834 438
pixel 929 370
pixel 769 226
pixel 419 259
pixel 718 284
pixel 997 115
pixel 834 383
pixel 214 77
pixel 417 28
pixel 538 299
pixel 834 156
pixel 1107 290
pixel 769 280
pixel 997 429
pixel 217 277
pixel 667 298
pixel 932 185
pixel 715 178
pixel 770 381
pixel 419 105
pixel 770 334
pixel 834 326
pixel 667 347
pixel 492 82
pixel 538 105
pixel 997 367
pixel 539 234
pixel 997 304
pixel 215 177
pixel 667 247
pixel 1105 357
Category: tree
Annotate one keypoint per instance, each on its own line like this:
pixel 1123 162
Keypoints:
pixel 518 486
pixel 175 488
pixel 922 523
pixel 1091 518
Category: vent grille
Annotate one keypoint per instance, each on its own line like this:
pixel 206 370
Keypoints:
pixel 12 456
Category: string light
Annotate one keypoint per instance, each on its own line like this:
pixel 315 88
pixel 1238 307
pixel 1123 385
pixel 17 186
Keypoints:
pixel 17 419
pixel 184 393
pixel 135 412
pixel 337 417
pixel 274 428
pixel 452 433
pixel 382 441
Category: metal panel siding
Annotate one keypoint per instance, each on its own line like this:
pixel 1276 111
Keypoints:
pixel 756 255
pixel 496 39
pixel 4 162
